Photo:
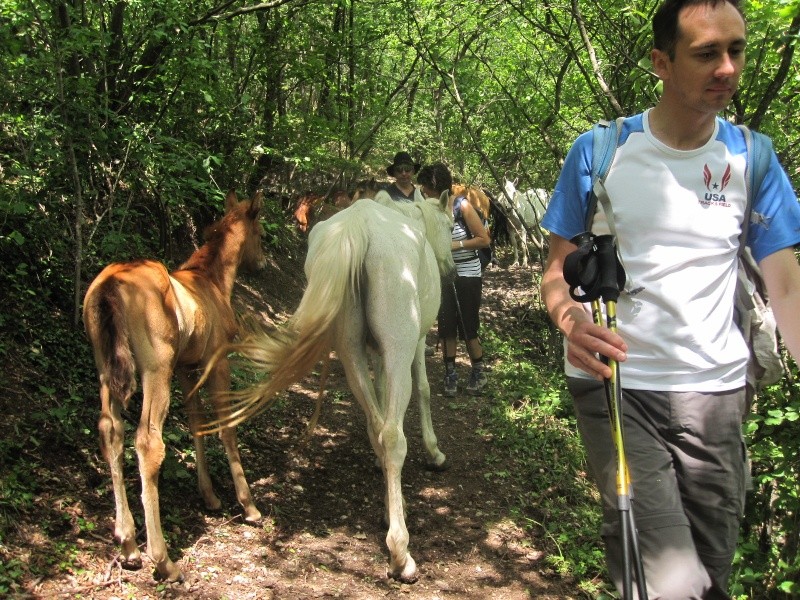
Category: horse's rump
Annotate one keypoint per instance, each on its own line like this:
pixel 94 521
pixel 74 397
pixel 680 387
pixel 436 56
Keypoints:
pixel 475 196
pixel 103 316
pixel 121 294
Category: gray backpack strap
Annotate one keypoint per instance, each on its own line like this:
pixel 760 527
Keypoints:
pixel 605 139
pixel 759 154
pixel 604 146
pixel 753 314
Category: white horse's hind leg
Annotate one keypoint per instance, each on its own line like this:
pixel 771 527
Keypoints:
pixel 422 390
pixel 393 441
pixel 514 243
pixel 353 355
pixel 397 354
pixel 387 438
pixel 379 378
pixel 379 386
pixel 518 241
pixel 356 369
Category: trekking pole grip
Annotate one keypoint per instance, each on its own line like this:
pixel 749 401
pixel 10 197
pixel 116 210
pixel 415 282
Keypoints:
pixel 612 275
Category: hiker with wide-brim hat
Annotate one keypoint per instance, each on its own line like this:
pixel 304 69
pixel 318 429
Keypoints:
pixel 402 169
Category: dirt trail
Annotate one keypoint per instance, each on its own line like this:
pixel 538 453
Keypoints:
pixel 322 535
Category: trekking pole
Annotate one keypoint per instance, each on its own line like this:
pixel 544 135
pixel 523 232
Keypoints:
pixel 612 278
pixel 595 268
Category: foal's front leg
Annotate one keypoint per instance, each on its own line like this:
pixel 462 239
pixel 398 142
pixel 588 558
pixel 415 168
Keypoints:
pixel 193 413
pixel 218 382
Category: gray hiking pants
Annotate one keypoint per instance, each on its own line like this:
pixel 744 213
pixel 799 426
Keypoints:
pixel 688 465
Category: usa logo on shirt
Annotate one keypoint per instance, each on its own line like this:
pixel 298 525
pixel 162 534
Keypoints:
pixel 714 194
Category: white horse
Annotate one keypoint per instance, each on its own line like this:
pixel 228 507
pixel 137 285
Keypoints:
pixel 374 274
pixel 524 215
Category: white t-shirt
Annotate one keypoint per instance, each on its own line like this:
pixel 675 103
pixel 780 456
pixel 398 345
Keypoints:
pixel 678 216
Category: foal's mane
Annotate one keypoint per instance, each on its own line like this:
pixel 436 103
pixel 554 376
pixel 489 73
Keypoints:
pixel 214 237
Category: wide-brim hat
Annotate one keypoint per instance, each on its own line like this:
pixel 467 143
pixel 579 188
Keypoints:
pixel 402 158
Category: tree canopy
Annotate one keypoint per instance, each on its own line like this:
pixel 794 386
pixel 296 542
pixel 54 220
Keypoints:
pixel 127 115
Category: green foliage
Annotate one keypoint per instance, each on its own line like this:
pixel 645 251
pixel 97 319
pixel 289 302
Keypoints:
pixel 11 572
pixel 536 449
pixel 16 486
pixel 767 563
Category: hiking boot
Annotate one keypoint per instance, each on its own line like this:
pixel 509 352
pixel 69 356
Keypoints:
pixel 451 384
pixel 477 381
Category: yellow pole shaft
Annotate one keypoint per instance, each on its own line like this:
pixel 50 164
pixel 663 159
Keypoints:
pixel 623 475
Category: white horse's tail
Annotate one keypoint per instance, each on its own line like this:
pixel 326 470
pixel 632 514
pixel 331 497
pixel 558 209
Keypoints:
pixel 289 353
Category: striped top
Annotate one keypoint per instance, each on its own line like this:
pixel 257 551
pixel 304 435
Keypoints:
pixel 467 262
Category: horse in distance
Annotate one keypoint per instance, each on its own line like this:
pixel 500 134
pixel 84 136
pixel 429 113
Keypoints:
pixel 373 289
pixel 524 211
pixel 142 319
pixel 340 200
pixel 304 209
pixel 475 196
pixel 366 188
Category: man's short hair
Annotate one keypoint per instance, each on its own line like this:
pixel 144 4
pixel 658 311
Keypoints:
pixel 665 21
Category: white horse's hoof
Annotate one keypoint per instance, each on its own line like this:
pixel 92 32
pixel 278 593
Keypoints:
pixel 439 465
pixel 408 574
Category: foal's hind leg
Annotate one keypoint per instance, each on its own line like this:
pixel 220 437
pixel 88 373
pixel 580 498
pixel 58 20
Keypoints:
pixel 112 431
pixel 150 451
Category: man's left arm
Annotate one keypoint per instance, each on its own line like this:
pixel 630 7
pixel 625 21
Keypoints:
pixel 782 278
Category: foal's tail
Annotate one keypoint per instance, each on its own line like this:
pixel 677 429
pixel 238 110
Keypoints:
pixel 103 318
pixel 289 353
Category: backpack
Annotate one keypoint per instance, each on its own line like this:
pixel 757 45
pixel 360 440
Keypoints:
pixel 484 254
pixel 752 311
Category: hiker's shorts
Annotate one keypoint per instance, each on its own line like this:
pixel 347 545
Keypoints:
pixel 469 290
pixel 688 465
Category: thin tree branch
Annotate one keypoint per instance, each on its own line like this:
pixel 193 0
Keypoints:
pixel 598 73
